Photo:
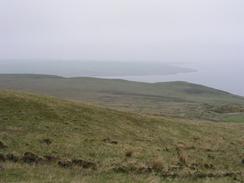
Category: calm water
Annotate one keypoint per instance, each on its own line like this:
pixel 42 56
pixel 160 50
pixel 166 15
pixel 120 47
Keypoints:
pixel 225 77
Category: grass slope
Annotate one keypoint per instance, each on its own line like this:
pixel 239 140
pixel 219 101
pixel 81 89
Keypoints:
pixel 180 99
pixel 43 139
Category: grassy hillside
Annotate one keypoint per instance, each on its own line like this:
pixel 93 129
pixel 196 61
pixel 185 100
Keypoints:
pixel 43 139
pixel 179 99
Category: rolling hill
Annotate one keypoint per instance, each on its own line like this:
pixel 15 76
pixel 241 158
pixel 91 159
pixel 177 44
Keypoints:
pixel 44 139
pixel 178 99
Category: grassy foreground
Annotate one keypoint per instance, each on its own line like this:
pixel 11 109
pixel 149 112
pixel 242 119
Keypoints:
pixel 43 139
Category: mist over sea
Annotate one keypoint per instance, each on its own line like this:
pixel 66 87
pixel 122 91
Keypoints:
pixel 225 76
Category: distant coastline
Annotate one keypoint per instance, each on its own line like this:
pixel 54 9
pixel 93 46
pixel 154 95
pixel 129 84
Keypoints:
pixel 91 68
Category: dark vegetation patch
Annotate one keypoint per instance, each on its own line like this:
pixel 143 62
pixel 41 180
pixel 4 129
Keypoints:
pixel 229 108
pixel 110 141
pixel 46 141
pixel 12 157
pixel 84 164
pixel 2 158
pixel 2 145
pixel 51 158
pixel 131 168
pixel 176 171
pixel 30 157
pixel 65 163
pixel 129 153
pixel 77 163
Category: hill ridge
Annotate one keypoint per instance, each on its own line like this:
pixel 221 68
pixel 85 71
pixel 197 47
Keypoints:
pixel 178 99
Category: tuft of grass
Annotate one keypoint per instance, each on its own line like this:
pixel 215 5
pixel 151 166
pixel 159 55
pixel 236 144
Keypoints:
pixel 157 164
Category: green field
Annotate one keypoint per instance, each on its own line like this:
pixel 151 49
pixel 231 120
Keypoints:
pixel 175 99
pixel 238 118
pixel 44 139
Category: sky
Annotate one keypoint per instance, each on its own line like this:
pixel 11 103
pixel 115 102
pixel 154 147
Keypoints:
pixel 55 36
pixel 172 31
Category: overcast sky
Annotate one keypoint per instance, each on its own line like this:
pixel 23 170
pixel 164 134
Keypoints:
pixel 148 30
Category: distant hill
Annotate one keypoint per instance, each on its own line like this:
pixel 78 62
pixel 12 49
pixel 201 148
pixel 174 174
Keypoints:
pixel 43 139
pixel 180 99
